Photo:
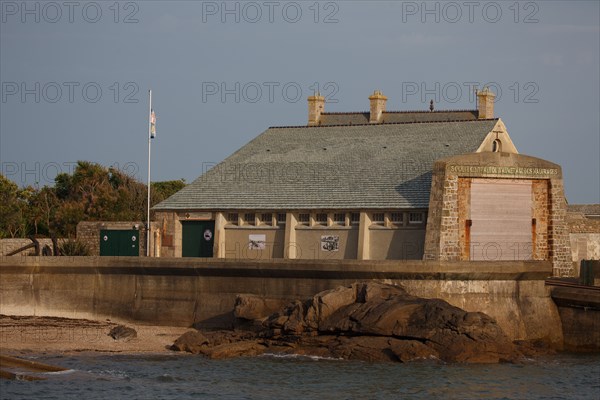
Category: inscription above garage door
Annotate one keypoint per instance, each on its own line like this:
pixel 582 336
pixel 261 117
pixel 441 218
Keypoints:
pixel 501 220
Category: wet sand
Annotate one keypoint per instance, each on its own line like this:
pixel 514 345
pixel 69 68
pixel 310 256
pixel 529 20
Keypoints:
pixel 26 334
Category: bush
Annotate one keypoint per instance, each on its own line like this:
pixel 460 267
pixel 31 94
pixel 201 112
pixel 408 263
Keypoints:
pixel 74 247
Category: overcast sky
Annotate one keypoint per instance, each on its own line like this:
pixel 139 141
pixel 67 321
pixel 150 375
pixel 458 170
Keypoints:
pixel 75 76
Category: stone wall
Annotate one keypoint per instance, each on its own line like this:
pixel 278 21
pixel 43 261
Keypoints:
pixel 559 243
pixel 184 291
pixel 448 236
pixel 169 225
pixel 584 236
pixel 579 223
pixel 434 216
pixel 9 245
pixel 540 214
pixel 449 231
pixel 89 233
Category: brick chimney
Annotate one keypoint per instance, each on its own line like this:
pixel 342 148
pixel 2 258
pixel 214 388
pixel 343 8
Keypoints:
pixel 485 101
pixel 378 101
pixel 316 106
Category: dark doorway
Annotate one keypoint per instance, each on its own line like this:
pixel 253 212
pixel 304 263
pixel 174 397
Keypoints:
pixel 198 238
pixel 119 242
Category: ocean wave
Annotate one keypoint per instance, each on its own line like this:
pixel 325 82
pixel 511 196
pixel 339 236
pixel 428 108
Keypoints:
pixel 110 373
pixel 300 357
pixel 65 372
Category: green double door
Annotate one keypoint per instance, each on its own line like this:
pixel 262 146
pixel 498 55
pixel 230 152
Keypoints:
pixel 198 238
pixel 119 242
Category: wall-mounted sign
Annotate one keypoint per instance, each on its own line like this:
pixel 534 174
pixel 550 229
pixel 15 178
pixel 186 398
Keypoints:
pixel 506 171
pixel 330 243
pixel 199 216
pixel 257 242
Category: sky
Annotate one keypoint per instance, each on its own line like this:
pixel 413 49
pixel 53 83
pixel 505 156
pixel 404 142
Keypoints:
pixel 75 77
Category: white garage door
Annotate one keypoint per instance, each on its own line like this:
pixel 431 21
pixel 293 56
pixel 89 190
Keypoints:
pixel 501 227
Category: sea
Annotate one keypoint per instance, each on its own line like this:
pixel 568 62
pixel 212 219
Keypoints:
pixel 180 376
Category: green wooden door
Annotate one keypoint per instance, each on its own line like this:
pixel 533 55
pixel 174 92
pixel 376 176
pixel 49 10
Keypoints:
pixel 119 242
pixel 198 238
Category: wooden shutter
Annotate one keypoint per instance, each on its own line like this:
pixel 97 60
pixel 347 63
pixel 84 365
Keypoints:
pixel 501 220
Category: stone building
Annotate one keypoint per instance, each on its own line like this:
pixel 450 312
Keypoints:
pixel 584 230
pixel 446 185
pixel 117 238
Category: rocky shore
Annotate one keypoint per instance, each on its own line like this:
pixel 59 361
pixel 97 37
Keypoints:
pixel 39 334
pixel 365 321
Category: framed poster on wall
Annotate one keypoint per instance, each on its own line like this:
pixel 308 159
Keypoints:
pixel 330 243
pixel 256 242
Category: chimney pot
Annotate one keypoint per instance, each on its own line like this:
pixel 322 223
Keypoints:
pixel 485 100
pixel 377 100
pixel 316 106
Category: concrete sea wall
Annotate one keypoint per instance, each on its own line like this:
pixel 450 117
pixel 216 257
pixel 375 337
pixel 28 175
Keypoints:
pixel 184 291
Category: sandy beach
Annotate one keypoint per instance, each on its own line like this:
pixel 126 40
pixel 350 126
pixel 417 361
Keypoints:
pixel 30 334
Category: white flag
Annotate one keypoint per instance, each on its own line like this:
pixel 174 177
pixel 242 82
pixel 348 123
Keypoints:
pixel 152 125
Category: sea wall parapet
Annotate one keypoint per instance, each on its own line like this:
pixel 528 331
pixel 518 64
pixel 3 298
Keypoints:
pixel 183 292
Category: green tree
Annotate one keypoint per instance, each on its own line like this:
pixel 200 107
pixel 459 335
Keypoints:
pixel 39 209
pixel 11 221
pixel 92 192
pixel 165 189
pixel 46 204
pixel 67 217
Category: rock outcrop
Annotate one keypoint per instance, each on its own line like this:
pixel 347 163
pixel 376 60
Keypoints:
pixel 365 321
pixel 122 332
pixel 229 350
pixel 252 307
pixel 191 341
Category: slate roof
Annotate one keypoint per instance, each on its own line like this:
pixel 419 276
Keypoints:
pixel 391 117
pixel 586 209
pixel 382 166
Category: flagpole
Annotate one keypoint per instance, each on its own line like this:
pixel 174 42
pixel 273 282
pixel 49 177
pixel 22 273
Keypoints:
pixel 148 230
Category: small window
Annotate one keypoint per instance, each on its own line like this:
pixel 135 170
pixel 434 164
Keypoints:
pixel 396 218
pixel 321 218
pixel 339 218
pixel 266 219
pixel 415 218
pixel 496 146
pixel 249 219
pixel 378 218
pixel 232 218
pixel 355 218
pixel 303 218
pixel 281 219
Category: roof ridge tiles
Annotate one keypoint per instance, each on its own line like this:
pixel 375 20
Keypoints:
pixel 428 111
pixel 385 123
pixel 396 112
pixel 344 112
